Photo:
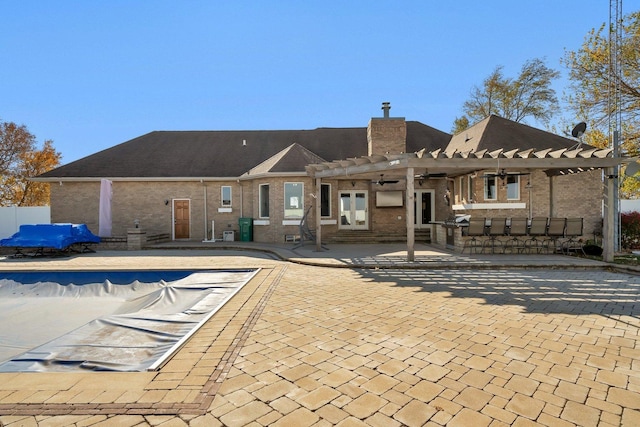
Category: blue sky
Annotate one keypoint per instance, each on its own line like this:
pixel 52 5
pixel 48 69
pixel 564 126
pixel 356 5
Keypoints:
pixel 89 75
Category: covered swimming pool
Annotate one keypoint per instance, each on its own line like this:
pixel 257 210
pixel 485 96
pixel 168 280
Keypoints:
pixel 107 320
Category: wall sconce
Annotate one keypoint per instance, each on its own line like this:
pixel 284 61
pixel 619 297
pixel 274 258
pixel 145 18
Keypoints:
pixel 166 202
pixel 136 223
pixel 353 183
pixel 420 182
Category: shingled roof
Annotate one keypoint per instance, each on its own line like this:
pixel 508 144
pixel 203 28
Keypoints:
pixel 231 154
pixel 494 133
pixel 489 144
pixel 292 159
pixel 197 154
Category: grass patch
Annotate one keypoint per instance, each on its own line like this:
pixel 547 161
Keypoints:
pixel 628 259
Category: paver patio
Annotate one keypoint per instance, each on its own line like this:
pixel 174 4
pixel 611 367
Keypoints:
pixel 310 345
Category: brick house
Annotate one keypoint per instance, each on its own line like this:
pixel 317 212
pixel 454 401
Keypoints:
pixel 197 185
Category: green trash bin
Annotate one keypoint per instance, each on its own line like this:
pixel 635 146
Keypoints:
pixel 246 229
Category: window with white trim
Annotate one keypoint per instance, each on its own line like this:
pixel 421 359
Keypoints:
pixel 225 195
pixel 325 200
pixel 263 200
pixel 490 188
pixel 293 199
pixel 513 187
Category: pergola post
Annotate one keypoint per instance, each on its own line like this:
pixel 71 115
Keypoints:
pixel 608 226
pixel 318 215
pixel 551 197
pixel 410 201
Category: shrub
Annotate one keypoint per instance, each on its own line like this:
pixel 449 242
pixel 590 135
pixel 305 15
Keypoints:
pixel 591 249
pixel 630 230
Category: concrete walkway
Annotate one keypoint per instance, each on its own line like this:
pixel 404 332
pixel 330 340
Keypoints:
pixel 392 256
pixel 446 340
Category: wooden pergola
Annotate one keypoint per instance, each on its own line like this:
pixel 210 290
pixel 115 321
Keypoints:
pixel 456 163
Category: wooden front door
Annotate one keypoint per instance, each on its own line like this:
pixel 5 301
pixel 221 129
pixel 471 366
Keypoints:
pixel 181 219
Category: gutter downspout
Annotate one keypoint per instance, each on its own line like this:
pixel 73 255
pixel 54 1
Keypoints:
pixel 241 199
pixel 204 189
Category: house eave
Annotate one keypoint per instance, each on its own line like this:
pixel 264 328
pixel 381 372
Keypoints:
pixel 135 179
pixel 247 177
pixel 244 177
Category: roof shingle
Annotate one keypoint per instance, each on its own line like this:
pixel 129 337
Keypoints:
pixel 185 154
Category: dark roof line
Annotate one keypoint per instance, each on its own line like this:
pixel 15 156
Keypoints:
pixel 222 154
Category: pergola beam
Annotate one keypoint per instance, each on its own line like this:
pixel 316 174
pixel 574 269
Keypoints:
pixel 461 165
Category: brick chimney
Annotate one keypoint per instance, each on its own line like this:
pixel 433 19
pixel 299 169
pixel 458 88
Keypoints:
pixel 387 134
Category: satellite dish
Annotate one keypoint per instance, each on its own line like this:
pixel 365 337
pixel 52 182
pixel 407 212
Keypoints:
pixel 632 169
pixel 579 129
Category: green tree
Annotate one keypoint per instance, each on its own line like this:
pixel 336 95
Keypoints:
pixel 590 79
pixel 20 159
pixel 530 95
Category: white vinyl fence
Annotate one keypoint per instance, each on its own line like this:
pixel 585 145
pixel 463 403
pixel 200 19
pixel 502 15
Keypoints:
pixel 12 217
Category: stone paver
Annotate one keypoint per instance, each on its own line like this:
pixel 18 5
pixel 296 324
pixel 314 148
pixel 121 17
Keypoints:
pixel 317 345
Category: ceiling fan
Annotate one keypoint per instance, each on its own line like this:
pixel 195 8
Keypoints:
pixel 502 174
pixel 432 175
pixel 382 181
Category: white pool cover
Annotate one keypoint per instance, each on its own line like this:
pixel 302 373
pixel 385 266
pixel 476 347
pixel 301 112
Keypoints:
pixel 117 320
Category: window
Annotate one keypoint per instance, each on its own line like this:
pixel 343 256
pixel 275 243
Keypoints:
pixel 490 188
pixel 263 196
pixel 226 195
pixel 325 200
pixel 513 187
pixel 293 201
pixel 471 191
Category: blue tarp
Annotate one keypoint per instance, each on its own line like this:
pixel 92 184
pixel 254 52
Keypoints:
pixel 54 236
